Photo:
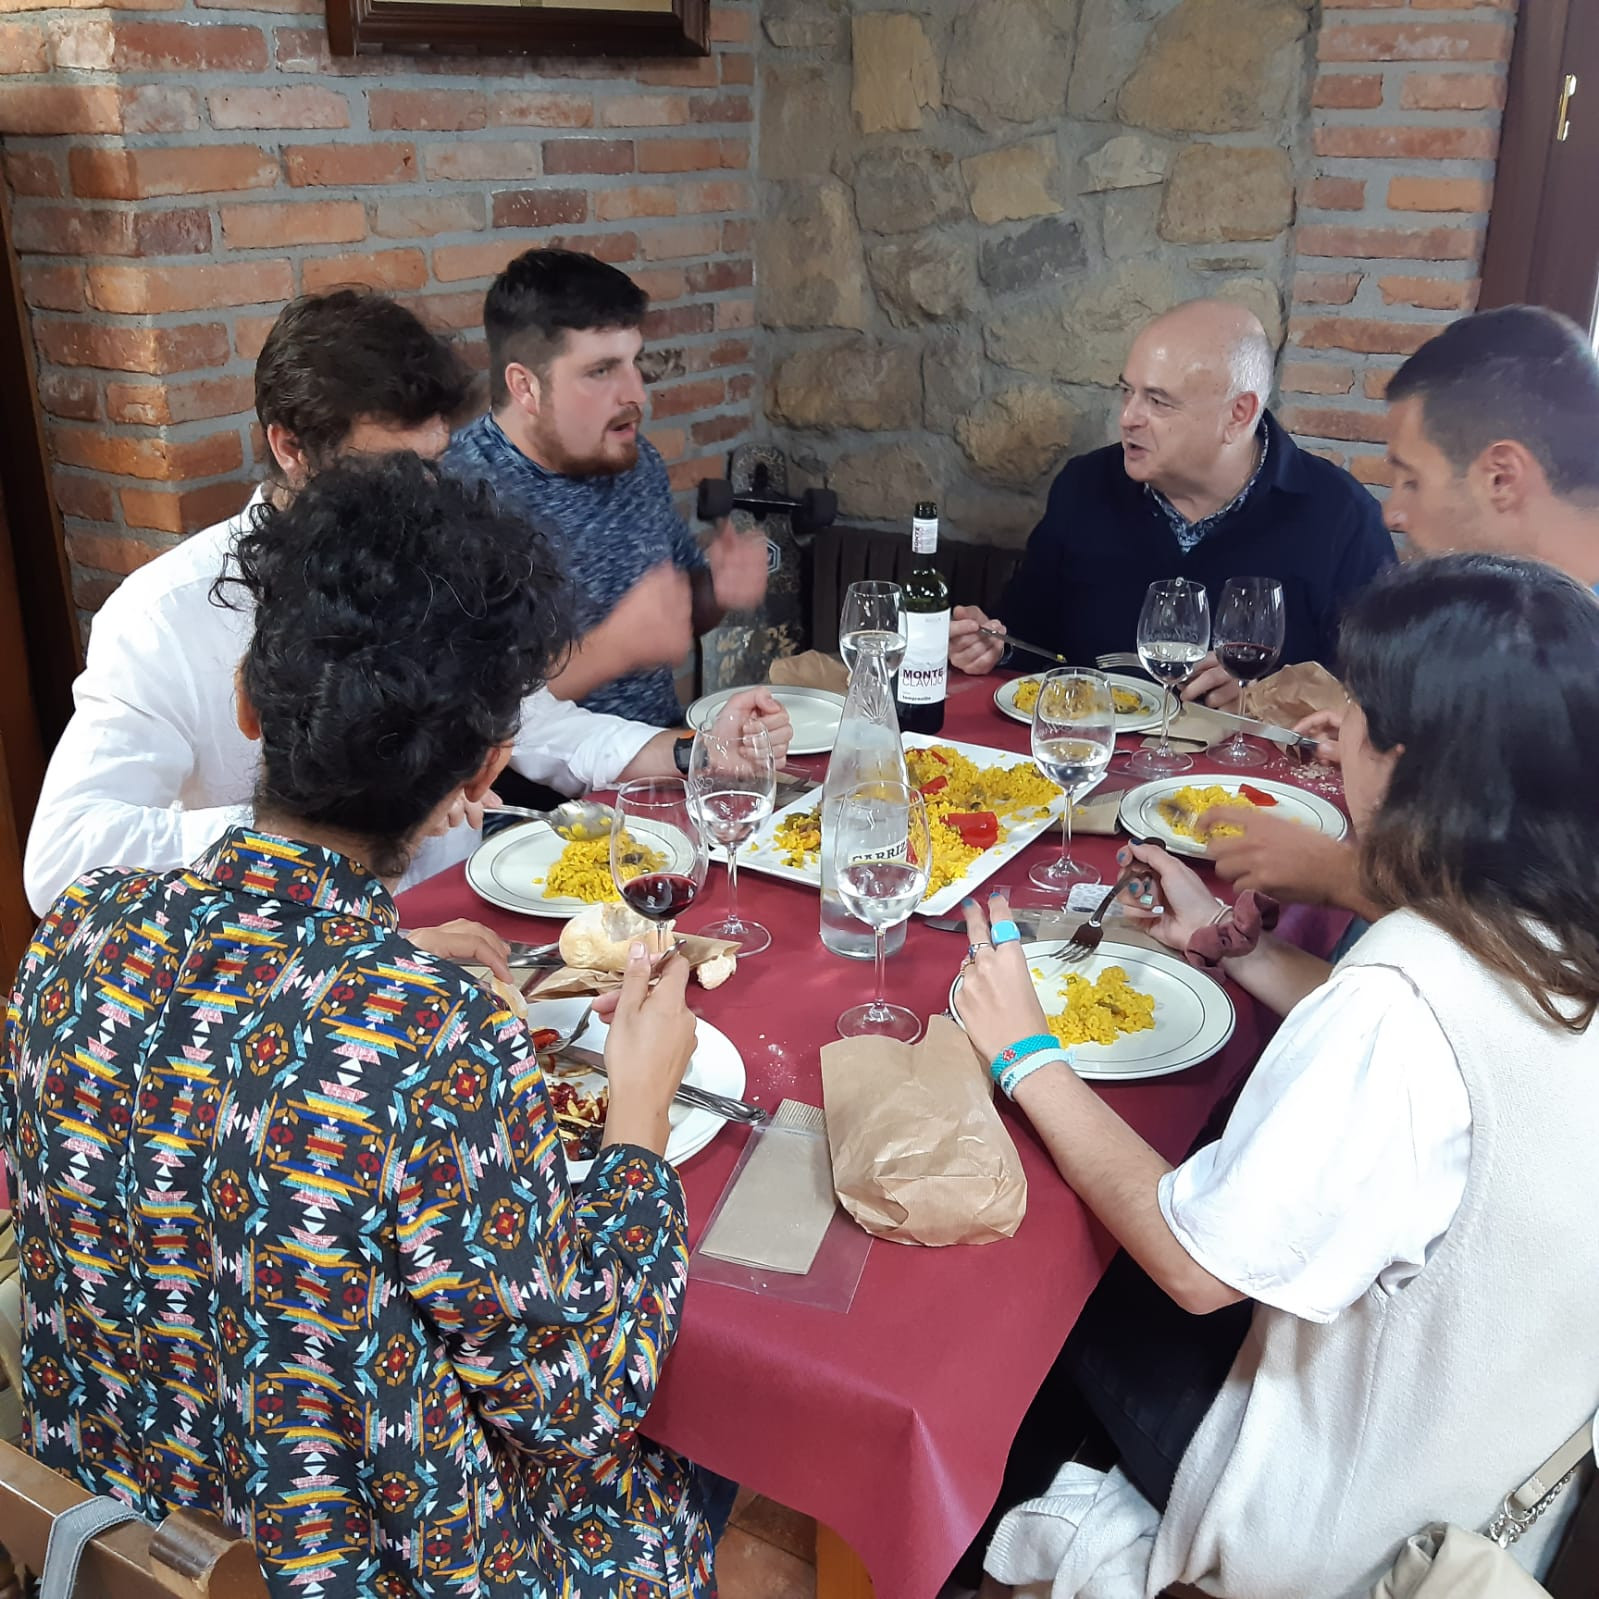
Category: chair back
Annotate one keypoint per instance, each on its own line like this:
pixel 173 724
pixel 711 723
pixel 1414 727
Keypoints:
pixel 838 556
pixel 191 1555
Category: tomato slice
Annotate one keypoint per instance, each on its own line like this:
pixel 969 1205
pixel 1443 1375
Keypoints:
pixel 1256 796
pixel 934 785
pixel 978 829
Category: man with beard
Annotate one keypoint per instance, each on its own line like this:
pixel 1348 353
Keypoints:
pixel 562 447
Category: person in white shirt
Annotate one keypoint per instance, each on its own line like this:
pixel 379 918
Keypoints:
pixel 1400 1204
pixel 152 767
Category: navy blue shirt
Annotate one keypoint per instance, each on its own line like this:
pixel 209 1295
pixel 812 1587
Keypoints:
pixel 1103 540
pixel 608 530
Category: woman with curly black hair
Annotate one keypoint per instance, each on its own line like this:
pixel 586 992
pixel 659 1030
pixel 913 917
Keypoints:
pixel 302 1248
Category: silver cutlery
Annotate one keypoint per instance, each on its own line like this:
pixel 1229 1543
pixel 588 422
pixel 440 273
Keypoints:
pixel 1120 661
pixel 579 820
pixel 1294 744
pixel 733 1110
pixel 1085 940
pixel 1023 645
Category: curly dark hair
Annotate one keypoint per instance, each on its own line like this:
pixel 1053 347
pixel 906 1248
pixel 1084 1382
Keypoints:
pixel 332 358
pixel 400 621
pixel 1479 669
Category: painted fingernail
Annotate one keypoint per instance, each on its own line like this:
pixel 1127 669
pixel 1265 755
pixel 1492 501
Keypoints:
pixel 968 901
pixel 636 952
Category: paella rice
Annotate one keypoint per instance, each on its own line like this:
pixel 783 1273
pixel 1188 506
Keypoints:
pixel 583 870
pixel 1182 809
pixel 1099 1012
pixel 1126 701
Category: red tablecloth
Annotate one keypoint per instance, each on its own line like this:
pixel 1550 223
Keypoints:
pixel 890 1424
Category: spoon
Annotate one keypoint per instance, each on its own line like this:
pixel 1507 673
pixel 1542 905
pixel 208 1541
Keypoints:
pixel 577 820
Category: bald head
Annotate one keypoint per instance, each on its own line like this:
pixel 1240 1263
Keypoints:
pixel 1193 389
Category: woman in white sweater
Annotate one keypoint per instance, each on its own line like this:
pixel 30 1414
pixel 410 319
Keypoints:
pixel 1404 1190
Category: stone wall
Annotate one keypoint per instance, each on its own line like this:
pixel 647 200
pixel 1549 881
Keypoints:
pixel 177 169
pixel 969 207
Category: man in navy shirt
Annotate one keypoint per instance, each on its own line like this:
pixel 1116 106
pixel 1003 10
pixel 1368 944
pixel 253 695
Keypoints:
pixel 1204 484
pixel 562 446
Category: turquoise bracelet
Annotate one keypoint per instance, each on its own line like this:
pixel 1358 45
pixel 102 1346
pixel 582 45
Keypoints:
pixel 1012 1076
pixel 1019 1051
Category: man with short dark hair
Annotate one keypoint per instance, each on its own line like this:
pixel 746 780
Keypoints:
pixel 153 768
pixel 562 446
pixel 1493 436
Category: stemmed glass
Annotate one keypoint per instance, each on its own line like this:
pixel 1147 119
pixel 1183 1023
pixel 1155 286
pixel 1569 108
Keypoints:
pixel 1074 733
pixel 882 852
pixel 1249 639
pixel 732 785
pixel 657 854
pixel 1173 636
pixel 873 618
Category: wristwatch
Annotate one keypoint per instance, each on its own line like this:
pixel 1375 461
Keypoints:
pixel 682 750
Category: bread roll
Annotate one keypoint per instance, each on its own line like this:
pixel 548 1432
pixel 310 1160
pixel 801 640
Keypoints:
pixel 510 995
pixel 599 937
pixel 714 972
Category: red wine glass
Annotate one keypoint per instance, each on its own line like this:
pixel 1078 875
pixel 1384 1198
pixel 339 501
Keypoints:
pixel 657 855
pixel 1248 640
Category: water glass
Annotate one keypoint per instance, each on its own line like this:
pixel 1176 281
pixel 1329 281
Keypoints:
pixel 873 618
pixel 1173 636
pixel 1074 734
pixel 732 785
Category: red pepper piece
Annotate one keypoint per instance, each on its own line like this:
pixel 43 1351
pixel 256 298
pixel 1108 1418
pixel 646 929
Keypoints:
pixel 978 829
pixel 1256 796
pixel 934 785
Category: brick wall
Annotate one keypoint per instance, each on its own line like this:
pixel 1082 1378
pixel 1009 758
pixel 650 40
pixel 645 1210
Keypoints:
pixel 177 169
pixel 1391 222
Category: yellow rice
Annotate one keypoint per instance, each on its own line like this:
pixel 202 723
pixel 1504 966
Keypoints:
pixel 1124 699
pixel 1099 1012
pixel 583 870
pixel 1182 810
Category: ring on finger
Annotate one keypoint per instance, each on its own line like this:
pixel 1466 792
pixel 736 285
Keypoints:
pixel 972 949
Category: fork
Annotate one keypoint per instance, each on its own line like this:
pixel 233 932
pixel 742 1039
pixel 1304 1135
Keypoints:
pixel 1119 661
pixel 1086 937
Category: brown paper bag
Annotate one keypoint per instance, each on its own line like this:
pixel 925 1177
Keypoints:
pixel 920 1155
pixel 1292 694
pixel 810 669
pixel 566 981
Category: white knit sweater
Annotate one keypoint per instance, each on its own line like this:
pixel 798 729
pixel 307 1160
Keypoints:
pixel 1330 1444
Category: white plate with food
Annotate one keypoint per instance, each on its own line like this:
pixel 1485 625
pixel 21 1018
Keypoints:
pixel 1137 700
pixel 1168 809
pixel 815 713
pixel 514 870
pixel 788 843
pixel 580 1096
pixel 1160 1016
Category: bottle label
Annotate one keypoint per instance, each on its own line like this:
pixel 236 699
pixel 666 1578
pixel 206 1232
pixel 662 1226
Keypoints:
pixel 922 677
pixel 924 534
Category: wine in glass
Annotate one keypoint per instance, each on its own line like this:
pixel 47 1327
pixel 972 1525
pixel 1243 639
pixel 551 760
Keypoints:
pixel 873 619
pixel 732 783
pixel 1173 636
pixel 657 855
pixel 882 854
pixel 1074 733
pixel 1250 627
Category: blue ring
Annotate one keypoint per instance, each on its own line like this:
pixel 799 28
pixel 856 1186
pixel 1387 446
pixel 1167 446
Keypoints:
pixel 1005 932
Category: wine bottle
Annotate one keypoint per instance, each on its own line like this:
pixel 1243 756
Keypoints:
pixel 923 676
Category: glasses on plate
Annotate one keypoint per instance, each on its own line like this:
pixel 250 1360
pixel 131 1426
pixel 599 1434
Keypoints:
pixel 732 786
pixel 657 854
pixel 873 618
pixel 1250 626
pixel 1173 637
pixel 1074 733
pixel 882 853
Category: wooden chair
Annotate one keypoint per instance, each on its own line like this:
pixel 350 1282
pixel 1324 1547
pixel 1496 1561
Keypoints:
pixel 839 556
pixel 191 1555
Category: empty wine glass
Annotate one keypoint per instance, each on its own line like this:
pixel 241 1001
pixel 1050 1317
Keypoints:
pixel 1173 636
pixel 1249 640
pixel 1074 733
pixel 882 852
pixel 873 618
pixel 657 854
pixel 732 784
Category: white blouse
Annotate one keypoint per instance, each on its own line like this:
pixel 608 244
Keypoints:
pixel 1345 1160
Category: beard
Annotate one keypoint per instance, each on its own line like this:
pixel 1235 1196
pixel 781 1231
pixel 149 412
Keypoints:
pixel 616 452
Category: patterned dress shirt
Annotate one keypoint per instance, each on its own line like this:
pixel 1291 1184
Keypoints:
pixel 298 1248
pixel 1189 534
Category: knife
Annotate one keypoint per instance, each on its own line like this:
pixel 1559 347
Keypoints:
pixel 1304 748
pixel 1023 645
pixel 1053 924
pixel 734 1110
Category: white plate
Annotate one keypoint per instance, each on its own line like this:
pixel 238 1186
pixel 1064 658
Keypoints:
pixel 715 1064
pixel 762 855
pixel 814 712
pixel 1140 808
pixel 1139 721
pixel 1193 1013
pixel 502 870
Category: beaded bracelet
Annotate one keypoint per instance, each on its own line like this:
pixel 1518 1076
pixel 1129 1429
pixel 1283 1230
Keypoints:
pixel 1013 1075
pixel 1019 1051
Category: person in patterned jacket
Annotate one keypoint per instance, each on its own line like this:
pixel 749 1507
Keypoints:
pixel 297 1238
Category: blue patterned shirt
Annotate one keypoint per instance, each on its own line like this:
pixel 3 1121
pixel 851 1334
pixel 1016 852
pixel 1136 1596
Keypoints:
pixel 1188 534
pixel 608 531
pixel 298 1248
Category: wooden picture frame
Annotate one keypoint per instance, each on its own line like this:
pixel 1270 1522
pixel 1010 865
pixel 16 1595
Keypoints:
pixel 520 27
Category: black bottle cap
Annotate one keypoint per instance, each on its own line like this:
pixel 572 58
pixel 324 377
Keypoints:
pixel 927 510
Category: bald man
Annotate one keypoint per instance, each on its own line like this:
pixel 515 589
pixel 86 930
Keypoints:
pixel 1204 484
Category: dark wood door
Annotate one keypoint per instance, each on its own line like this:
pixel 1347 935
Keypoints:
pixel 1543 238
